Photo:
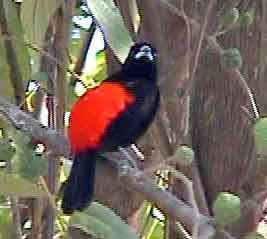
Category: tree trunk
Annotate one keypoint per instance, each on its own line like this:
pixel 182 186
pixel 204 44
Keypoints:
pixel 222 135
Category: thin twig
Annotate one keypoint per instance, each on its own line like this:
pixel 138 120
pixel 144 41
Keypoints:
pixel 203 30
pixel 137 151
pixel 189 186
pixel 189 40
pixel 224 31
pixel 186 116
pixel 252 100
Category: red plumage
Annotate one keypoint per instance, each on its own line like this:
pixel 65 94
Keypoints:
pixel 98 107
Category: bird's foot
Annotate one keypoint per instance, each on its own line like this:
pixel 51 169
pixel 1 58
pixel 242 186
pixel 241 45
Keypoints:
pixel 127 162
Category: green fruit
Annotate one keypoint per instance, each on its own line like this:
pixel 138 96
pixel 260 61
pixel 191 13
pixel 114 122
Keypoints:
pixel 246 18
pixel 185 155
pixel 260 133
pixel 230 17
pixel 226 208
pixel 231 58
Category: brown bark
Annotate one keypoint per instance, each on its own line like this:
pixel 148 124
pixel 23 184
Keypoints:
pixel 174 52
pixel 254 50
pixel 222 136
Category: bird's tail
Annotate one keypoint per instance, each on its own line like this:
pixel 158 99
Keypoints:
pixel 79 187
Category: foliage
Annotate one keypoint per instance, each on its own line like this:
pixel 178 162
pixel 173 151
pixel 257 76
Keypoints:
pixel 13 184
pixel 35 16
pixel 5 224
pixel 113 27
pixel 16 36
pixel 27 162
pixel 101 222
pixel 6 150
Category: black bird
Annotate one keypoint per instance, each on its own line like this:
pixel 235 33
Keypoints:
pixel 111 115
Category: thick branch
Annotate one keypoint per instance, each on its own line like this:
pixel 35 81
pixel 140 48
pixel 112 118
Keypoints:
pixel 168 203
pixel 53 140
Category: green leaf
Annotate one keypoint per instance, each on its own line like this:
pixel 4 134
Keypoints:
pixel 6 88
pixel 226 208
pixel 5 217
pixel 154 229
pixel 6 150
pixel 12 184
pixel 185 155
pixel 5 224
pixel 260 133
pixel 33 167
pixel 20 138
pixel 16 31
pixel 26 162
pixel 100 71
pixel 232 58
pixel 35 16
pixel 101 222
pixel 110 19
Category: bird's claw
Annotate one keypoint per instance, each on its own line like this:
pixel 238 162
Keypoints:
pixel 126 163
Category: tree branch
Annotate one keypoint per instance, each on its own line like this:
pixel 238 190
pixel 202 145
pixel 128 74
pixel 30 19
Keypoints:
pixel 203 30
pixel 133 178
pixel 54 141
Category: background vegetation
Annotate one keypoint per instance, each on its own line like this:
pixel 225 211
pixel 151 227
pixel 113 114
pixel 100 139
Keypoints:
pixel 202 170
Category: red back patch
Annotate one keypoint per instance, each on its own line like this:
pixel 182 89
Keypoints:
pixel 94 111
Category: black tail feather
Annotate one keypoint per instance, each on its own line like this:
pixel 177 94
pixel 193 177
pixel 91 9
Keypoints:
pixel 79 188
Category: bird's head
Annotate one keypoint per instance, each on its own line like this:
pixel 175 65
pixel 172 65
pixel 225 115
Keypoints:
pixel 141 61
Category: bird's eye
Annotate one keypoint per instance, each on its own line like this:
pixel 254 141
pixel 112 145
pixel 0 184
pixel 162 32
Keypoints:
pixel 145 52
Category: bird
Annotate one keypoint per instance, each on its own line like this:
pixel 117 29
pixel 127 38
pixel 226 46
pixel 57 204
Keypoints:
pixel 110 116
